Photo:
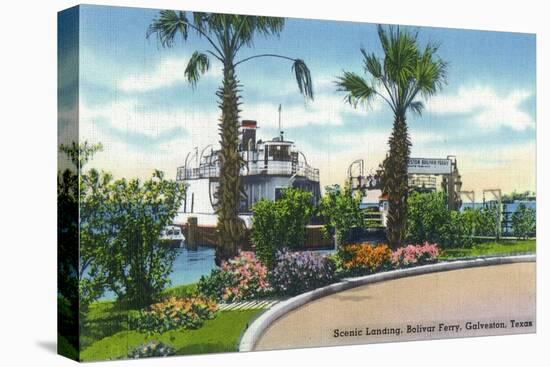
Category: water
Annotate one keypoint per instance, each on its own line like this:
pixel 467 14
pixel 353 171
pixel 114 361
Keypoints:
pixel 188 267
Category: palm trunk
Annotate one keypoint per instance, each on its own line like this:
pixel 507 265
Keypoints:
pixel 230 227
pixel 396 182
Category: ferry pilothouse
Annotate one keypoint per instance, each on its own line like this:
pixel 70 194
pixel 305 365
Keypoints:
pixel 269 167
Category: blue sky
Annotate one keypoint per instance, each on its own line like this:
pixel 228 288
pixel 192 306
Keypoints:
pixel 134 99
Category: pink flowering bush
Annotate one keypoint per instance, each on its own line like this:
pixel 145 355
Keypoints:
pixel 413 255
pixel 241 278
pixel 250 278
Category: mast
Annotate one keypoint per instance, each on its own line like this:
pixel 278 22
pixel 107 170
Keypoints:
pixel 280 131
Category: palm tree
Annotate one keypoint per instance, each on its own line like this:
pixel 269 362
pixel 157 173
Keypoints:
pixel 225 36
pixel 404 75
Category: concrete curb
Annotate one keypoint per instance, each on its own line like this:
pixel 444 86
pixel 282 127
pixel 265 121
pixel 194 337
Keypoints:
pixel 258 327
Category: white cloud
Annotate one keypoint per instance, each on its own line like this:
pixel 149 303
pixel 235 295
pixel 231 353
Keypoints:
pixel 490 110
pixel 129 116
pixel 507 167
pixel 165 74
pixel 121 155
pixel 125 159
pixel 375 144
pixel 326 109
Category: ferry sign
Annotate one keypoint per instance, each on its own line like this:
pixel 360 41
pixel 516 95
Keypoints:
pixel 429 166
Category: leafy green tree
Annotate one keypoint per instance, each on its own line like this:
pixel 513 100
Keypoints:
pixel 524 196
pixel 121 221
pixel 524 222
pixel 340 211
pixel 281 223
pixel 225 36
pixel 80 154
pixel 296 208
pixel 112 229
pixel 488 221
pixel 405 73
pixel 68 240
pixel 266 231
pixel 67 257
pixel 429 219
pixel 96 235
pixel 472 222
pixel 427 215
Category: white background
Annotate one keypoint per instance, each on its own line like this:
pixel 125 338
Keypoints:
pixel 28 182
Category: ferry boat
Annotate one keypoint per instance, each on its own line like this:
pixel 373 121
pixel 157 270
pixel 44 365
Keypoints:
pixel 269 167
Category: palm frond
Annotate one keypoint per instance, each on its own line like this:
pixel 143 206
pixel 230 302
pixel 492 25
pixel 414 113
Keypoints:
pixel 384 39
pixel 270 26
pixel 372 64
pixel 431 72
pixel 198 64
pixel 218 23
pixel 356 87
pixel 303 78
pixel 200 20
pixel 417 107
pixel 400 55
pixel 246 26
pixel 167 25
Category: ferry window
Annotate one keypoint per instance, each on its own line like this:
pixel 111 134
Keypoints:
pixel 279 152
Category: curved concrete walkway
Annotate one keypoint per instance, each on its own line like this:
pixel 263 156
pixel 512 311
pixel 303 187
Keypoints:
pixel 479 301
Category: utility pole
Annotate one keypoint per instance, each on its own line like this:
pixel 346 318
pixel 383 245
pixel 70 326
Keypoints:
pixel 454 184
pixel 497 194
pixel 471 195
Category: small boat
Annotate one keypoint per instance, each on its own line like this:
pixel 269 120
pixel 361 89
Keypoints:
pixel 173 236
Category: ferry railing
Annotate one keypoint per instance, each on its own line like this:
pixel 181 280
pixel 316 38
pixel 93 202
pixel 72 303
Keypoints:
pixel 272 168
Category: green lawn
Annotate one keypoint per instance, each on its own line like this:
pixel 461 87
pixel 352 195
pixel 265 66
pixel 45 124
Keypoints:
pixel 105 333
pixel 221 334
pixel 105 318
pixel 491 248
pixel 181 291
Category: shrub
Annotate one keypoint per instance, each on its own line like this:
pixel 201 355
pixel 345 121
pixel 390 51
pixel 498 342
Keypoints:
pixel 187 313
pixel 151 349
pixel 413 255
pixel 458 231
pixel 471 225
pixel 340 210
pixel 429 219
pixel 213 285
pixel 487 221
pixel 249 278
pixel 280 223
pixel 360 259
pixel 524 221
pixel 240 278
pixel 426 215
pixel 298 272
pixel 266 230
